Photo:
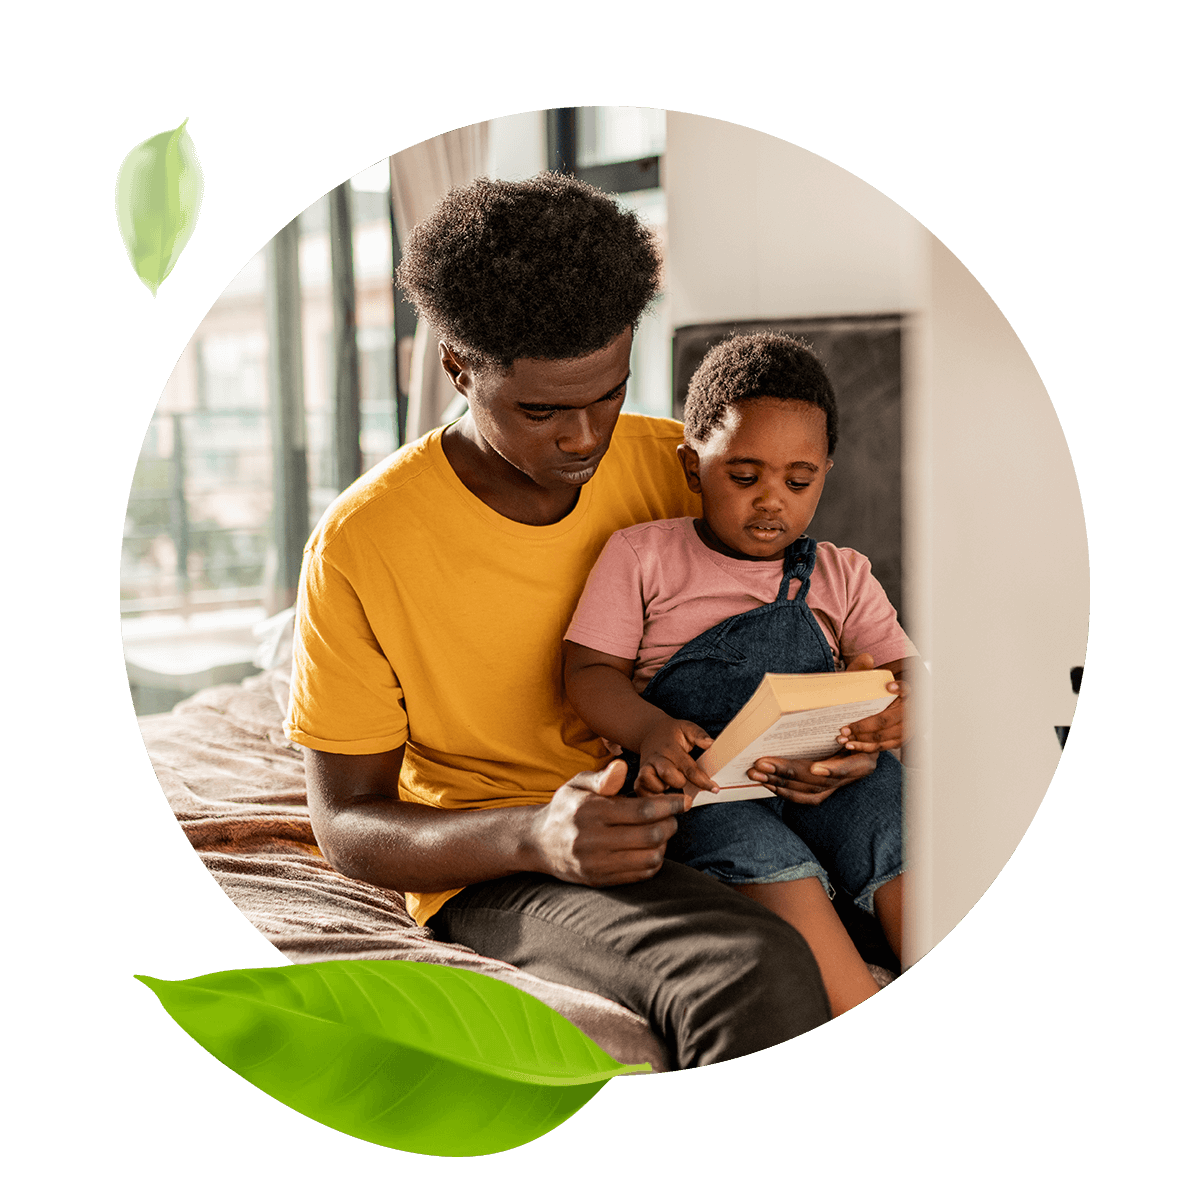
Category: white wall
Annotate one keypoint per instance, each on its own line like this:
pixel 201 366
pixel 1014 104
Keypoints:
pixel 999 576
pixel 997 560
pixel 517 145
pixel 760 228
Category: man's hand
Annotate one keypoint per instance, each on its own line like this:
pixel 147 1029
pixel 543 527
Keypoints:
pixel 588 834
pixel 806 782
pixel 666 764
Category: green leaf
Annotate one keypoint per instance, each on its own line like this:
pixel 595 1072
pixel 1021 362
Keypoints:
pixel 415 1056
pixel 159 188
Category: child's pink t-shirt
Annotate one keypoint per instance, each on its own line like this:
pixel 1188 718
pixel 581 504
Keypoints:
pixel 657 586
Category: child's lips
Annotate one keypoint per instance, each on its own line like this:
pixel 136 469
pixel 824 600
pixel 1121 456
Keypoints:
pixel 766 530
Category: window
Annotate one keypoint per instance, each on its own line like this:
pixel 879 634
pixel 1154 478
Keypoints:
pixel 621 150
pixel 198 550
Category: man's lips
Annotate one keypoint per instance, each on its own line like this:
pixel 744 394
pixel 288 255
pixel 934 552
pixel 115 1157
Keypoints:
pixel 585 467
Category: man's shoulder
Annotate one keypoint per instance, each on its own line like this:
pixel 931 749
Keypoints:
pixel 640 478
pixel 640 442
pixel 635 428
pixel 370 498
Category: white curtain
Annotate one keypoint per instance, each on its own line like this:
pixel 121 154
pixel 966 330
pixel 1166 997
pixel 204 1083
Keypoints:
pixel 421 176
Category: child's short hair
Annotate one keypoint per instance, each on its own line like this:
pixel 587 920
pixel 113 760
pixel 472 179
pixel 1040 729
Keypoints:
pixel 750 366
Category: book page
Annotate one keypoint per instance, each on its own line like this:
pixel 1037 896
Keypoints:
pixel 754 791
pixel 811 735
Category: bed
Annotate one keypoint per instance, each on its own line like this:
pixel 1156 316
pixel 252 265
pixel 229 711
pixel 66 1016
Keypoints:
pixel 236 786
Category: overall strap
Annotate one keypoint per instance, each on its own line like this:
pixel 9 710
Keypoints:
pixel 798 562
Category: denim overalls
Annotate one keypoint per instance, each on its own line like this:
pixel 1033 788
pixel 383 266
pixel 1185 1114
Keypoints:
pixel 851 840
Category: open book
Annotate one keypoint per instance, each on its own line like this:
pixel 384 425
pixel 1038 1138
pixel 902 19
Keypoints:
pixel 789 716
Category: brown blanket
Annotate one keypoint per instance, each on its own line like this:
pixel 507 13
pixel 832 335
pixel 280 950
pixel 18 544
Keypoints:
pixel 236 785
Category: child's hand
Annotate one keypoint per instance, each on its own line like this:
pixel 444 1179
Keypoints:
pixel 805 782
pixel 883 731
pixel 666 764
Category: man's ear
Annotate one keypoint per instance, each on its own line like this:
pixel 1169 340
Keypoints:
pixel 459 372
pixel 689 460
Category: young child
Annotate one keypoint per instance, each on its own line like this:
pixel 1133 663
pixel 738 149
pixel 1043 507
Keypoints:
pixel 680 619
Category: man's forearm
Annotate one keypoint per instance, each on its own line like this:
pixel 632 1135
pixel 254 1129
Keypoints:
pixel 416 848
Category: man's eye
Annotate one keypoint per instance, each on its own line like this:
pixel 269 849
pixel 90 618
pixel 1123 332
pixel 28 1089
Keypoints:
pixel 539 417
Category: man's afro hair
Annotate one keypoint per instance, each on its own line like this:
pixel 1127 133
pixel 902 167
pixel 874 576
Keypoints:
pixel 750 366
pixel 546 268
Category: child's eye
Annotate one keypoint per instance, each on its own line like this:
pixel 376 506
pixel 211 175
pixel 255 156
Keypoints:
pixel 798 485
pixel 743 480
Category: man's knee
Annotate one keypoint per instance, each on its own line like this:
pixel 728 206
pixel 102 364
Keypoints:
pixel 757 985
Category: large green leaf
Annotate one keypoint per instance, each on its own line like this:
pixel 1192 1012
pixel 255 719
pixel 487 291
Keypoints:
pixel 159 188
pixel 410 1055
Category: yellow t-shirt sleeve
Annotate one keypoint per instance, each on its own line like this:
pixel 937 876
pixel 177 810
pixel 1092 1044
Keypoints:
pixel 345 696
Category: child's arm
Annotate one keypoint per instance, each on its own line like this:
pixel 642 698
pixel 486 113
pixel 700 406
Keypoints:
pixel 600 687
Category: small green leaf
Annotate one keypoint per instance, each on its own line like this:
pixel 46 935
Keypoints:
pixel 415 1056
pixel 159 188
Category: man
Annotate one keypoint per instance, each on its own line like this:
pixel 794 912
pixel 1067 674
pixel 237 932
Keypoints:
pixel 427 689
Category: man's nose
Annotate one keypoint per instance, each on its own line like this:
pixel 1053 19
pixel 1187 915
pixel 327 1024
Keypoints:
pixel 583 435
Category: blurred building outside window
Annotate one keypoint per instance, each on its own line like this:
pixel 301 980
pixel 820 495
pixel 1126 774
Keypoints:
pixel 197 545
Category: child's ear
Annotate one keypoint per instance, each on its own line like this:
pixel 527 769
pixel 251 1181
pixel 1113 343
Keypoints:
pixel 689 460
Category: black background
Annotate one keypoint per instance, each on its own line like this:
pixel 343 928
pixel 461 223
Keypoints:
pixel 994 1003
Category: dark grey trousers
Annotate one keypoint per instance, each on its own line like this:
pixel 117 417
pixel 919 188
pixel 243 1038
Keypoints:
pixel 716 974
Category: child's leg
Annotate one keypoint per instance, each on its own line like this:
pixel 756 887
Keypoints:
pixel 805 905
pixel 889 908
pixel 857 836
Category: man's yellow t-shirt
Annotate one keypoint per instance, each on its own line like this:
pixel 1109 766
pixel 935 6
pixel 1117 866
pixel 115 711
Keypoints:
pixel 428 620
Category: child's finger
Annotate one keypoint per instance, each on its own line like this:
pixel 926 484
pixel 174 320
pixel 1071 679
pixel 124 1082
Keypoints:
pixel 845 766
pixel 648 783
pixel 892 715
pixel 670 774
pixel 691 774
pixel 695 735
pixel 869 747
pixel 857 737
pixel 798 795
pixel 698 778
pixel 785 775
